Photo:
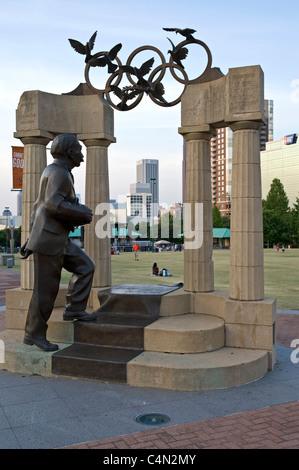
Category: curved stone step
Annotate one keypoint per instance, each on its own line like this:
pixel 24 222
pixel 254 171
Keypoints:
pixel 190 333
pixel 224 368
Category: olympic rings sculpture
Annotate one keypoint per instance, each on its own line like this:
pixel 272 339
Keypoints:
pixel 131 95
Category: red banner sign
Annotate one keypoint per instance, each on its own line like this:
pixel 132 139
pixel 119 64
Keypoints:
pixel 17 167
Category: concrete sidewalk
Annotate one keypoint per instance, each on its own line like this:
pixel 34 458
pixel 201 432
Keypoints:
pixel 275 427
pixel 55 412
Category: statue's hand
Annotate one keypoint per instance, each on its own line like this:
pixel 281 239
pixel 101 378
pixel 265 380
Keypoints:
pixel 88 215
pixel 24 252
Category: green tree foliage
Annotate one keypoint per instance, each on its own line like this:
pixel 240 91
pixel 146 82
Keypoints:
pixel 273 227
pixel 277 198
pixel 2 238
pixel 220 221
pixel 294 222
pixel 225 221
pixel 172 226
pixel 281 224
pixel 217 219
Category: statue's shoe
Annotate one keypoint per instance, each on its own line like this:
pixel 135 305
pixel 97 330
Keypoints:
pixel 41 343
pixel 81 316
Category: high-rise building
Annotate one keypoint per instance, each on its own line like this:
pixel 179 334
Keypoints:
pixel 221 150
pixel 147 171
pixel 281 160
pixel 266 133
pixel 139 200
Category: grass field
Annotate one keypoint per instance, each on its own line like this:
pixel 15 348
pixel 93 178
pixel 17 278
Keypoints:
pixel 281 272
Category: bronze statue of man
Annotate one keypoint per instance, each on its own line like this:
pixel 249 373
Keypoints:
pixel 56 212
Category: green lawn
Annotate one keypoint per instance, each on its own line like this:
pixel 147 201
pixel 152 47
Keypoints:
pixel 281 272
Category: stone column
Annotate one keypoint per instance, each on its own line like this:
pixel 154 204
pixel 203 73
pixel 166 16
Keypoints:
pixel 35 161
pixel 246 243
pixel 96 192
pixel 198 264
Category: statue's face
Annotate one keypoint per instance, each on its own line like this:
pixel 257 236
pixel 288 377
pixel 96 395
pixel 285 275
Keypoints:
pixel 76 155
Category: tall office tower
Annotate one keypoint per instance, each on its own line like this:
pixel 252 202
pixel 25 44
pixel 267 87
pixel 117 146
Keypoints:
pixel 139 200
pixel 266 133
pixel 221 150
pixel 147 171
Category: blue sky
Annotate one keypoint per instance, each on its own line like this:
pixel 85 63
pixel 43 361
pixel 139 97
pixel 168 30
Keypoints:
pixel 36 54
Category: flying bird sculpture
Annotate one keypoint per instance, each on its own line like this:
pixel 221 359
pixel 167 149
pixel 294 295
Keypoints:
pixel 141 72
pixel 178 54
pixel 187 32
pixel 85 50
pixel 143 85
pixel 107 59
pixel 126 94
pixel 157 90
pixel 143 79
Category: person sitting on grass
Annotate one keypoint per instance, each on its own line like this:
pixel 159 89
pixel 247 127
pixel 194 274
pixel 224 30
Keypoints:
pixel 155 270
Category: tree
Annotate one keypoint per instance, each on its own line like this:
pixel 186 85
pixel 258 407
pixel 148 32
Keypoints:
pixel 170 228
pixel 2 238
pixel 277 215
pixel 277 198
pixel 217 219
pixel 273 227
pixel 294 222
pixel 225 221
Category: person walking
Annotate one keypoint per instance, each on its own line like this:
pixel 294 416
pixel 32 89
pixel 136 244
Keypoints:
pixel 136 249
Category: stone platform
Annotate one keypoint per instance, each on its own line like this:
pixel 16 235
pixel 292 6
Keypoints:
pixel 192 342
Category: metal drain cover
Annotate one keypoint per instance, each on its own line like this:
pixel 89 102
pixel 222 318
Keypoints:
pixel 152 419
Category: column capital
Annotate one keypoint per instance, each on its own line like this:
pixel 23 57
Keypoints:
pixel 96 142
pixel 246 125
pixel 35 140
pixel 198 136
pixel 97 139
pixel 202 132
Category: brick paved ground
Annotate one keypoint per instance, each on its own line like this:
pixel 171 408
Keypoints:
pixel 276 427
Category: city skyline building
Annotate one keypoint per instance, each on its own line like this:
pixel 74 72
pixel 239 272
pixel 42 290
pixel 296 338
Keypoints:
pixel 281 160
pixel 147 171
pixel 139 205
pixel 221 154
pixel 266 132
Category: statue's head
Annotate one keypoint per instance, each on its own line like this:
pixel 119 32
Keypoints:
pixel 67 147
pixel 62 143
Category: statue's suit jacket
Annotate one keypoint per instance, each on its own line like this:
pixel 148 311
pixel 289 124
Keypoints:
pixel 56 211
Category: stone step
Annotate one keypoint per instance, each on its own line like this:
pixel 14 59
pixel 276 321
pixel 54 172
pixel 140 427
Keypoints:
pixel 93 362
pixel 190 333
pixel 17 302
pixel 111 329
pixel 224 368
pixel 25 359
pixel 101 349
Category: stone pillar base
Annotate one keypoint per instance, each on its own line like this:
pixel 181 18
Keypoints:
pixel 248 324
